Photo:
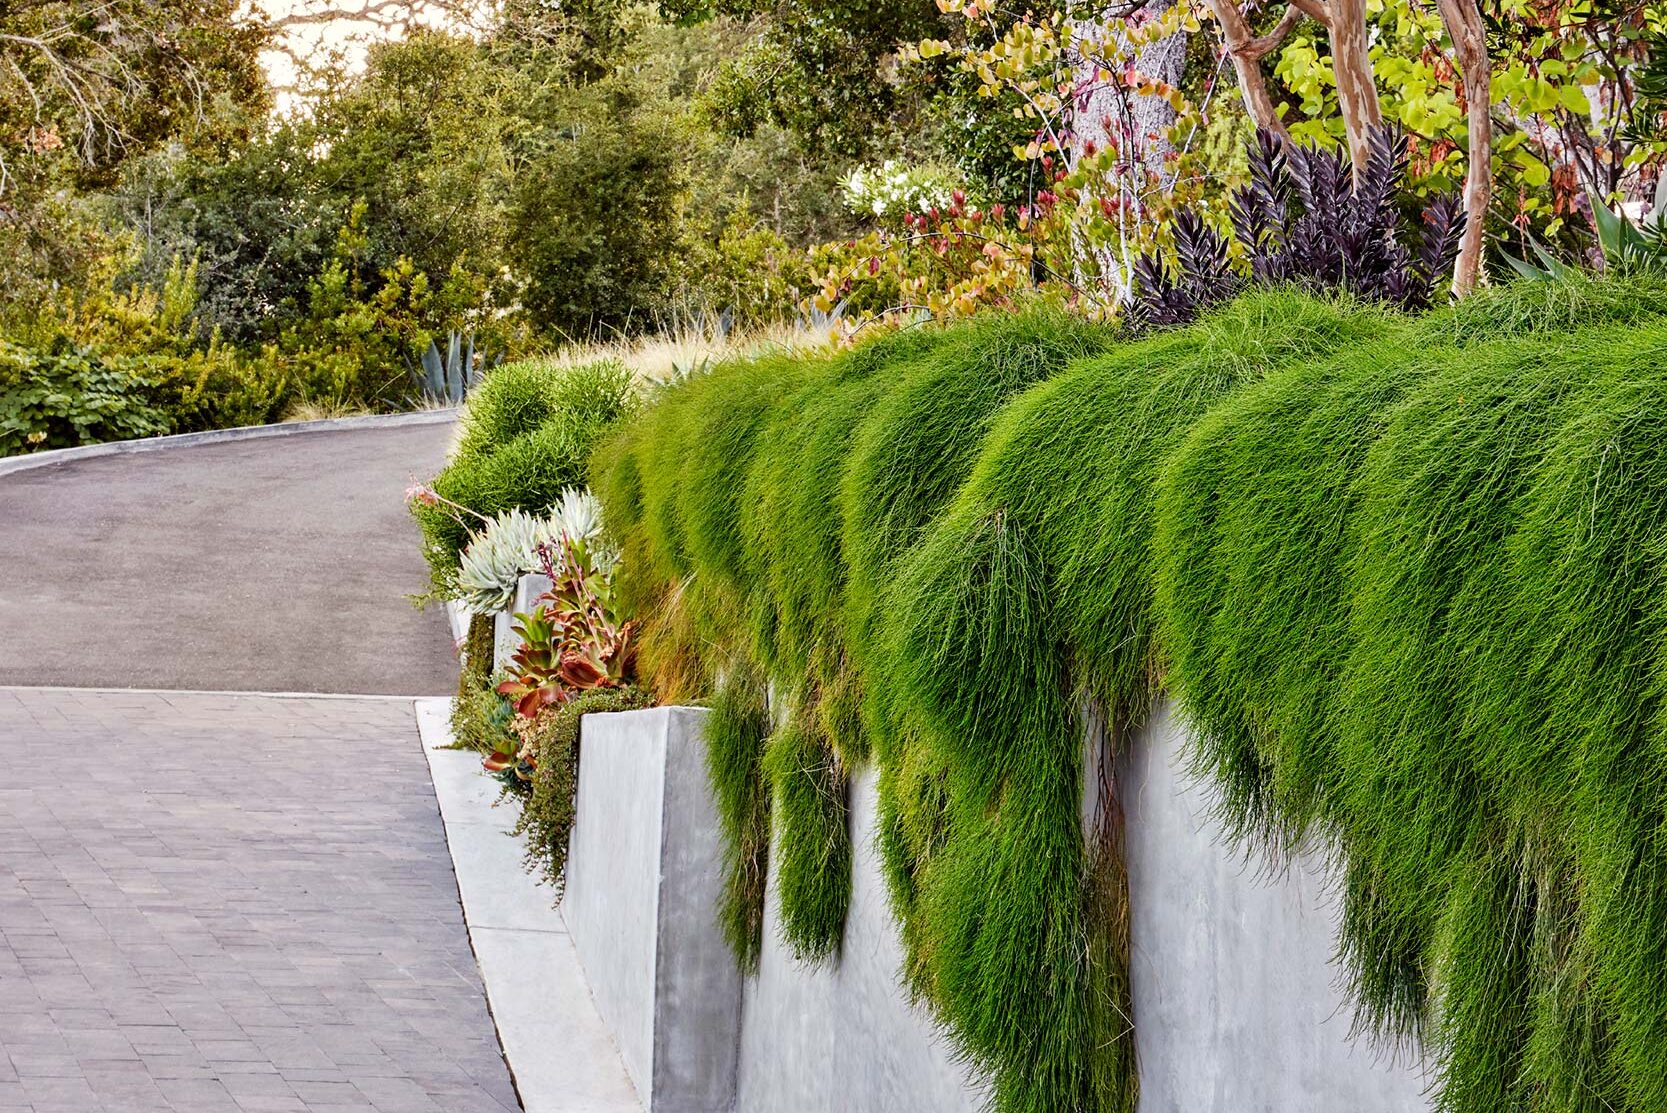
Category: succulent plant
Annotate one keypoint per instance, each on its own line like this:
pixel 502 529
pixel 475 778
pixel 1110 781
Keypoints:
pixel 573 640
pixel 498 556
pixel 1626 247
pixel 449 378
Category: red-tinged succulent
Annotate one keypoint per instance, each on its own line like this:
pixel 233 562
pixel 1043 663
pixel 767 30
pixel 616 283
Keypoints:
pixel 571 641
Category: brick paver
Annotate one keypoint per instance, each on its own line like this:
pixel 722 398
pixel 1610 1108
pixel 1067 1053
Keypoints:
pixel 230 903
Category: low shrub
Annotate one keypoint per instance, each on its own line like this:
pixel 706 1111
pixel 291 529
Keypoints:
pixel 548 809
pixel 69 397
pixel 530 470
pixel 517 398
pixel 482 720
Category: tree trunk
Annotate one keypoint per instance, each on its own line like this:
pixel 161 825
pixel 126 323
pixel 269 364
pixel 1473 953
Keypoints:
pixel 1470 50
pixel 1247 53
pixel 1109 114
pixel 1357 94
pixel 1138 123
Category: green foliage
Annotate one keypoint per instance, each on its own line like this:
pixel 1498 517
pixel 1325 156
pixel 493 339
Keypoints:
pixel 1031 585
pixel 1424 630
pixel 548 810
pixel 531 469
pixel 88 86
pixel 731 484
pixel 815 69
pixel 1626 248
pixel 59 399
pixel 1404 576
pixel 482 720
pixel 594 207
pixel 476 655
pixel 813 848
pixel 517 398
pixel 736 731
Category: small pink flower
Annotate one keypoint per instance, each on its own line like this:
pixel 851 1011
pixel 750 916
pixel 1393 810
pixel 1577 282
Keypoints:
pixel 422 493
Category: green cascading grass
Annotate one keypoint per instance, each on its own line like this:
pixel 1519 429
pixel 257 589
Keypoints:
pixel 1030 593
pixel 736 731
pixel 1406 599
pixel 1404 576
pixel 759 564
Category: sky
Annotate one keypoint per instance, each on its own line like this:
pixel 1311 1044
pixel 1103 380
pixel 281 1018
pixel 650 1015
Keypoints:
pixel 344 26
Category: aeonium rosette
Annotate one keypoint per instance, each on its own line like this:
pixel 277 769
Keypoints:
pixel 572 640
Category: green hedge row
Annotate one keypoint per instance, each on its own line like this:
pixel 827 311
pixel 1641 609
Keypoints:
pixel 1405 577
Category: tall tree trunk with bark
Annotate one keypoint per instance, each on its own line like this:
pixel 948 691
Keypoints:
pixel 1351 62
pixel 1139 123
pixel 1246 52
pixel 1470 50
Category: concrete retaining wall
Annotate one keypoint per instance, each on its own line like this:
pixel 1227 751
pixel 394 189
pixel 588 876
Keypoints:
pixel 843 1036
pixel 504 639
pixel 644 866
pixel 1236 1000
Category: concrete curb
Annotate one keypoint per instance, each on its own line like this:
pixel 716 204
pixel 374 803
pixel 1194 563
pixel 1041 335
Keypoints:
pixel 561 1055
pixel 12 464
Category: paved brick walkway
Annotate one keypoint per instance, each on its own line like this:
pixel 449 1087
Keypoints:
pixel 214 902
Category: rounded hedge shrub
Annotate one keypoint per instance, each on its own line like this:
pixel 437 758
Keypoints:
pixel 527 436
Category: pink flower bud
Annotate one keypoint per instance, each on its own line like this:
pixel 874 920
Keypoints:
pixel 423 494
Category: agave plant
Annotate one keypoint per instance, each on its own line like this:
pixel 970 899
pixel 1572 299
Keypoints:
pixel 498 556
pixel 1305 217
pixel 449 378
pixel 1627 247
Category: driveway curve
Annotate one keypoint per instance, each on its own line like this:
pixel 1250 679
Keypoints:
pixel 277 564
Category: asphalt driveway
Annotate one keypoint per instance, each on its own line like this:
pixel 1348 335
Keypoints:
pixel 276 564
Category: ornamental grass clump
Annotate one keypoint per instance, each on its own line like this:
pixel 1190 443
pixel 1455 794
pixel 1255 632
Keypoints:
pixel 736 731
pixel 746 530
pixel 1029 594
pixel 1403 575
pixel 1411 601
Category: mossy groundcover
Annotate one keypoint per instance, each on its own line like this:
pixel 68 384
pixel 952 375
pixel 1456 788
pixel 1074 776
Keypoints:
pixel 1403 575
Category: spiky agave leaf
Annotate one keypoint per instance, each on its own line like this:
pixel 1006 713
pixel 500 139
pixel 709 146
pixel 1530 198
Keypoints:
pixel 497 558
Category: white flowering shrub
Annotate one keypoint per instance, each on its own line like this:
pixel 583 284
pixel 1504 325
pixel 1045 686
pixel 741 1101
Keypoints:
pixel 890 190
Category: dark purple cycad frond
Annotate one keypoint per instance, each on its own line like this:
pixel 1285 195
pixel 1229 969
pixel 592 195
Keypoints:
pixel 1400 282
pixel 1158 300
pixel 1304 217
pixel 1260 209
pixel 1270 173
pixel 1252 223
pixel 1206 272
pixel 1438 247
pixel 1385 170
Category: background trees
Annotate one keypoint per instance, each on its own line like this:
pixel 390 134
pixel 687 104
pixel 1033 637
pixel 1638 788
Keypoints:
pixel 535 173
